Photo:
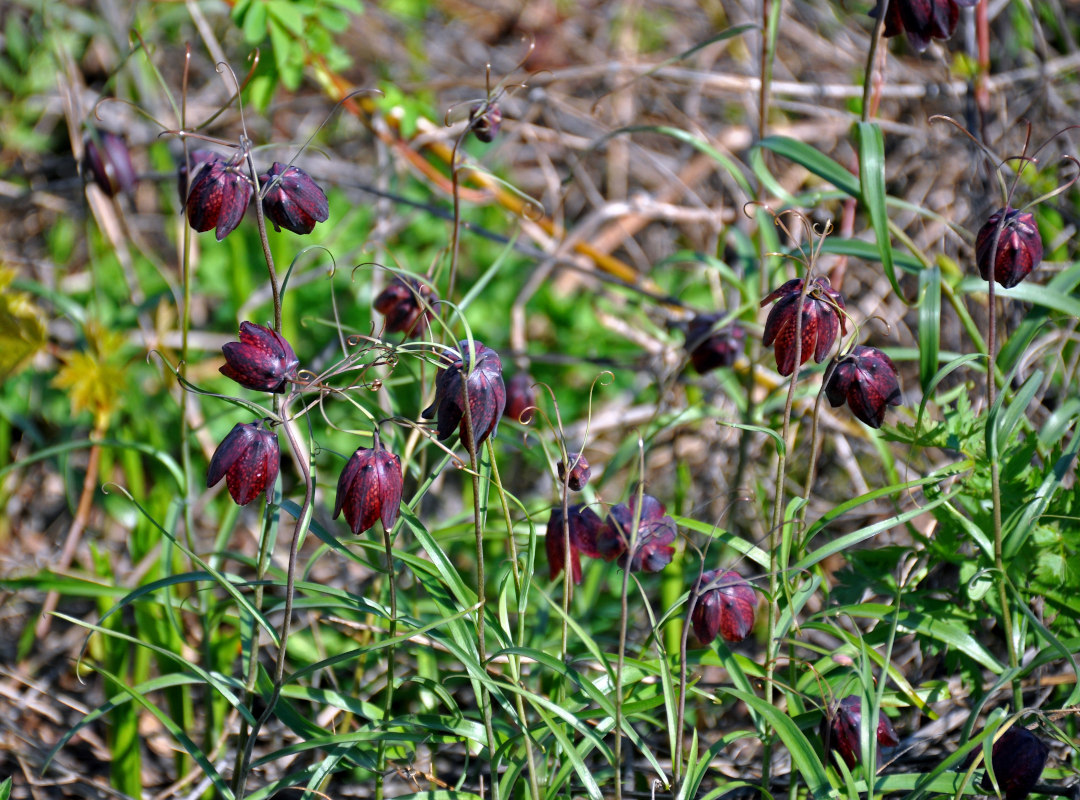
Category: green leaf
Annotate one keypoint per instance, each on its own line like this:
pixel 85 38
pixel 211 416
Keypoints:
pixel 871 145
pixel 929 324
pixel 815 161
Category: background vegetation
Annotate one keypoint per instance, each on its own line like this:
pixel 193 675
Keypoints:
pixel 646 153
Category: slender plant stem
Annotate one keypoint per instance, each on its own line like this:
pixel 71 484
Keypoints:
pixel 995 478
pixel 481 580
pixel 871 55
pixel 515 662
pixel 260 219
pixel 380 758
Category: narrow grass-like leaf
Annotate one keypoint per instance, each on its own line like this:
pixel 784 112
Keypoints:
pixel 929 324
pixel 814 160
pixel 871 144
pixel 1001 423
pixel 1020 525
pixel 737 543
pixel 1066 303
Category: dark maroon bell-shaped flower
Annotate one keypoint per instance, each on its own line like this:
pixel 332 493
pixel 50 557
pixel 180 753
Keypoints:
pixel 583 526
pixel 579 473
pixel 1019 248
pixel 197 159
pixel 867 380
pixel 408 305
pixel 108 161
pixel 923 20
pixel 218 198
pixel 261 360
pixel 711 349
pixel 822 318
pixel 482 382
pixel 369 488
pixel 485 120
pixel 520 397
pixel 294 201
pixel 841 730
pixel 725 605
pixel 1019 757
pixel 656 531
pixel 248 459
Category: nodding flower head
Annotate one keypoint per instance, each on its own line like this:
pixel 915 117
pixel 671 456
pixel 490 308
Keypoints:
pixel 408 306
pixel 711 349
pixel 106 157
pixel 582 524
pixel 219 196
pixel 520 397
pixel 370 488
pixel 481 382
pixel 579 473
pixel 1019 247
pixel 485 119
pixel 261 360
pixel 726 605
pixel 197 160
pixel 841 730
pixel 652 548
pixel 923 20
pixel 1018 758
pixel 867 380
pixel 248 459
pixel 822 318
pixel 294 201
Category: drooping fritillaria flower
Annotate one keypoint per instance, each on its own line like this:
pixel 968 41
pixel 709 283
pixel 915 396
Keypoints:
pixel 520 397
pixel 197 159
pixel 652 550
pixel 1019 248
pixel 822 318
pixel 294 201
pixel 106 156
pixel 578 474
pixel 1018 759
pixel 726 605
pixel 711 349
pixel 370 488
pixel 481 382
pixel 583 524
pixel 923 20
pixel 841 730
pixel 218 198
pixel 867 380
pixel 261 360
pixel 408 305
pixel 248 459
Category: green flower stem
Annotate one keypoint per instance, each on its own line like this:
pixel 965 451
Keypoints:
pixel 515 662
pixel 481 590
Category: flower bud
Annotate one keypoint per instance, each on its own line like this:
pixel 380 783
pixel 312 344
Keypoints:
pixel 248 459
pixel 711 349
pixel 369 489
pixel 578 474
pixel 293 201
pixel 218 198
pixel 1019 248
pixel 923 20
pixel 262 360
pixel 867 380
pixel 108 161
pixel 1019 757
pixel 726 605
pixel 841 730
pixel 482 383
pixel 822 317
pixel 520 397
pixel 408 305
pixel 484 121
